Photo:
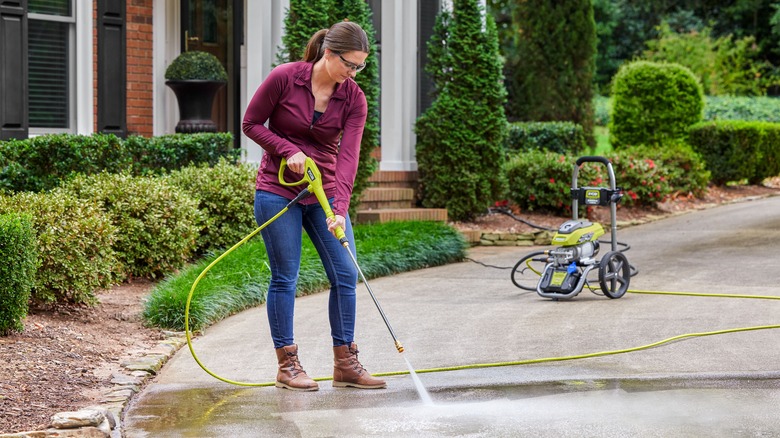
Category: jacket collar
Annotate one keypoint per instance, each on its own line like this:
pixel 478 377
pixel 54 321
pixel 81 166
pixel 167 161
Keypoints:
pixel 303 78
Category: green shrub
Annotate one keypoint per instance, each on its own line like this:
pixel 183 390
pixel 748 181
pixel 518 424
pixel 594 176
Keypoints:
pixel 653 104
pixel 460 138
pixel 764 109
pixel 683 168
pixel 540 180
pixel 560 137
pixel 74 240
pixel 17 270
pixel 40 163
pixel 225 193
pixel 196 65
pixel 157 224
pixel 644 182
pixel 155 155
pixel 735 150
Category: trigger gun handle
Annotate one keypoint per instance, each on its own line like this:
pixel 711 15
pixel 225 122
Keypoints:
pixel 312 175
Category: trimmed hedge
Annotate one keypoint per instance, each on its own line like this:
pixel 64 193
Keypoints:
pixel 764 109
pixel 157 224
pixel 735 150
pixel 653 104
pixel 17 270
pixel 155 155
pixel 225 193
pixel 74 241
pixel 561 137
pixel 42 163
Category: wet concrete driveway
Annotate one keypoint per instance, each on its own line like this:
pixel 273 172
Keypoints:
pixel 466 313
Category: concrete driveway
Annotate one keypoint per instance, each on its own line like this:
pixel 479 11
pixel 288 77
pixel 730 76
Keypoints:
pixel 467 313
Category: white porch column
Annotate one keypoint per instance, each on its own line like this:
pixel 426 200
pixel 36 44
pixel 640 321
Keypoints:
pixel 263 34
pixel 84 96
pixel 165 46
pixel 399 85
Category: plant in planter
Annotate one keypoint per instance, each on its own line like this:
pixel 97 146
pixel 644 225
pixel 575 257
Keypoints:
pixel 195 77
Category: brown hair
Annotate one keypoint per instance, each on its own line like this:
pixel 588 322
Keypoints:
pixel 344 36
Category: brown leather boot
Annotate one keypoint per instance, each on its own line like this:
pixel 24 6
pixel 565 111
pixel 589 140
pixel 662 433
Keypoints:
pixel 291 375
pixel 347 371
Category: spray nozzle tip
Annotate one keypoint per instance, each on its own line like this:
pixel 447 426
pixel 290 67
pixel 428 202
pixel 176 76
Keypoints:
pixel 399 347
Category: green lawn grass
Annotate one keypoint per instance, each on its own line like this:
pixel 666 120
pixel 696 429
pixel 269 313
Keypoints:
pixel 602 141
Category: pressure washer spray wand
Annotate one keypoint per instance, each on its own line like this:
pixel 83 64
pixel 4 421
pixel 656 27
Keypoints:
pixel 312 176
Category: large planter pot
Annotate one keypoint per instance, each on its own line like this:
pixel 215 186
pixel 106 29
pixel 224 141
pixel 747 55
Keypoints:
pixel 195 100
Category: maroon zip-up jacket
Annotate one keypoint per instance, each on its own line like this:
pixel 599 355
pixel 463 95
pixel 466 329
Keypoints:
pixel 286 101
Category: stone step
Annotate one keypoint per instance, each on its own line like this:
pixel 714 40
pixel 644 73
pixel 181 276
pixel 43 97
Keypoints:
pixel 401 214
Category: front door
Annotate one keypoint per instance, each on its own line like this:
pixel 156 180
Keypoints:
pixel 207 25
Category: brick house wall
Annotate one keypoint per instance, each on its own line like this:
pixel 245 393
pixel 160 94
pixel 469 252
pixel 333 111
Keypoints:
pixel 140 82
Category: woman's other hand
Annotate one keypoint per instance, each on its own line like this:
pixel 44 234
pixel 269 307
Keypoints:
pixel 337 221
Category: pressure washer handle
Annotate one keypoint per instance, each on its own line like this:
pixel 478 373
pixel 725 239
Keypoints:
pixel 313 177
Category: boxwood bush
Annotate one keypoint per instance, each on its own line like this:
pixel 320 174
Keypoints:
pixel 225 194
pixel 17 270
pixel 764 109
pixel 42 163
pixel 735 150
pixel 157 224
pixel 154 155
pixel 75 241
pixel 561 137
pixel 653 104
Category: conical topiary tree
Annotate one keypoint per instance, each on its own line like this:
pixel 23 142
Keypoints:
pixel 303 19
pixel 460 137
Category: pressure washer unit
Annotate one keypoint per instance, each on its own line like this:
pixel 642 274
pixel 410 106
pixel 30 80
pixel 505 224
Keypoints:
pixel 561 273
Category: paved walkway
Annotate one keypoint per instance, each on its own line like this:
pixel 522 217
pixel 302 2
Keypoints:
pixel 466 313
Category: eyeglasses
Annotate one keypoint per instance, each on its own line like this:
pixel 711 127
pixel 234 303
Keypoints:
pixel 351 65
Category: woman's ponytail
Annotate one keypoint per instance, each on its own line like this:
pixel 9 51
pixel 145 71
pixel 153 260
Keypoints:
pixel 314 50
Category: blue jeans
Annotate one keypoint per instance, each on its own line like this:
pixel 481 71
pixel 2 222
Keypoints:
pixel 282 240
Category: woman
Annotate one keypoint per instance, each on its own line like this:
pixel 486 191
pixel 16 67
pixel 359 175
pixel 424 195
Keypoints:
pixel 314 109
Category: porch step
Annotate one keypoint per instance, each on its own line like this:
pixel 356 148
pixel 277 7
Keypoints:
pixel 401 214
pixel 386 197
pixel 391 178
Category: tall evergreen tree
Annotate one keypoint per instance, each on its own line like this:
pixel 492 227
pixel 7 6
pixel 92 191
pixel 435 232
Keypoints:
pixel 460 137
pixel 303 19
pixel 556 52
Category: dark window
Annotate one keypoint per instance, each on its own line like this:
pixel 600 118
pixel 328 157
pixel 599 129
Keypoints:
pixel 49 81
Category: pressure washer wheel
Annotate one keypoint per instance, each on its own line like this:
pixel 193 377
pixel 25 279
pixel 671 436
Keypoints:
pixel 527 271
pixel 614 274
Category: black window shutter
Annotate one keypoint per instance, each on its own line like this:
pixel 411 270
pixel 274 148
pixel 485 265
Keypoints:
pixel 13 69
pixel 111 68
